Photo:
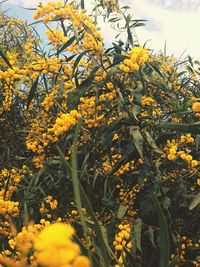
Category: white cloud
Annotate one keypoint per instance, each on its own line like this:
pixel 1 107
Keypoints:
pixel 178 27
pixel 175 24
pixel 26 3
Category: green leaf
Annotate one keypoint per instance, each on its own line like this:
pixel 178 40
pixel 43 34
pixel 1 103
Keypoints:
pixel 60 91
pixel 155 69
pixel 98 229
pixel 151 235
pixel 5 59
pixel 32 92
pixel 135 111
pixel 137 139
pixel 78 60
pixel 121 211
pixel 137 231
pixel 195 202
pixel 68 43
pixel 130 36
pixel 190 60
pixel 82 4
pixel 152 143
pixel 163 237
pixel 166 202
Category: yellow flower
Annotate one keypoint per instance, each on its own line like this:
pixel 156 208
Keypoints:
pixel 54 246
pixel 196 106
pixel 81 261
pixel 194 163
pixel 188 158
pixel 171 157
pixel 55 234
pixel 136 58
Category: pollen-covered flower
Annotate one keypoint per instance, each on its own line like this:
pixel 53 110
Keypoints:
pixel 55 248
pixel 135 59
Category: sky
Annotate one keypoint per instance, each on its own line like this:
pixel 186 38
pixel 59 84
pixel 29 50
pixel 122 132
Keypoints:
pixel 174 22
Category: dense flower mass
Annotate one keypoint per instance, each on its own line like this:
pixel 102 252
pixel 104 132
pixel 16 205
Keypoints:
pixel 135 59
pixel 99 151
pixel 56 37
pixel 54 247
pixel 65 121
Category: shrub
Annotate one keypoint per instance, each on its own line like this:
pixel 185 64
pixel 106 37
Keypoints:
pixel 104 139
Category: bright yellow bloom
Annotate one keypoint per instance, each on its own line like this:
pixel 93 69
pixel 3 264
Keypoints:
pixel 196 106
pixel 81 261
pixel 194 163
pixel 135 59
pixel 54 246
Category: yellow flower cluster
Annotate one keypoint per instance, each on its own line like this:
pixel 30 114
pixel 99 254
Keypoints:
pixel 9 208
pixel 108 167
pixel 29 47
pixel 188 158
pixel 186 139
pixel 172 147
pixel 44 244
pixel 12 56
pixel 40 136
pixel 48 102
pixel 9 77
pixel 46 10
pixel 166 67
pixel 196 108
pixel 100 75
pixel 135 59
pixel 54 247
pixel 48 205
pixel 41 133
pixel 148 101
pixel 149 107
pixel 92 38
pixel 5 229
pixel 91 43
pixel 122 239
pixel 44 65
pixel 90 112
pixel 73 215
pixel 14 176
pixel 22 242
pixel 127 198
pixel 65 122
pixel 109 96
pixel 56 37
pixel 186 245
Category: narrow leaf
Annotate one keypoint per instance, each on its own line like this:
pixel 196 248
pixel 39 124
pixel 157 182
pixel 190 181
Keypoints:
pixel 137 139
pixel 78 60
pixel 138 230
pixel 32 92
pixel 163 237
pixel 122 211
pixel 152 143
pixel 195 202
pixel 5 59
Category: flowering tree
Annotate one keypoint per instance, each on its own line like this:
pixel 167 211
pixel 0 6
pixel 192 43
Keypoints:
pixel 104 139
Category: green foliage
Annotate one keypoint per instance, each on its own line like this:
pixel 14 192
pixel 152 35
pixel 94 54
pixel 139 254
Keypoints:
pixel 130 161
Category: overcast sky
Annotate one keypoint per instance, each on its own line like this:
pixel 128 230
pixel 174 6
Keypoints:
pixel 174 21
